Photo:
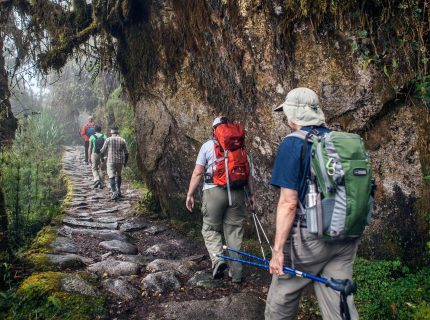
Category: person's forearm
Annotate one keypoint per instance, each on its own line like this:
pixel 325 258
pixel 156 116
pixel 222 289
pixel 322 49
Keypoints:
pixel 194 183
pixel 284 221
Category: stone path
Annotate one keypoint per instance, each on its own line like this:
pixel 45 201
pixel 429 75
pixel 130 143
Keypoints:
pixel 146 270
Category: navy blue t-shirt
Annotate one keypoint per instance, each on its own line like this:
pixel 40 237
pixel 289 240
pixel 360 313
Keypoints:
pixel 289 170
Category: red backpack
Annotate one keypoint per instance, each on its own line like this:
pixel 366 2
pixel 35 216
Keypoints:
pixel 230 154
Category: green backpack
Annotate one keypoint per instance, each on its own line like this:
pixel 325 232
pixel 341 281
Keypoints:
pixel 341 168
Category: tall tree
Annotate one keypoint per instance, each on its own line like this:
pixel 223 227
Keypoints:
pixel 8 125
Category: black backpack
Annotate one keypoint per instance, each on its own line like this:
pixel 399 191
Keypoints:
pixel 98 144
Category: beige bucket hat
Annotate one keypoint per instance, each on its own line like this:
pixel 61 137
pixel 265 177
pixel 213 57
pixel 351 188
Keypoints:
pixel 302 107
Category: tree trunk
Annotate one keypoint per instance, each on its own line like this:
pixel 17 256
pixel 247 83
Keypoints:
pixel 8 125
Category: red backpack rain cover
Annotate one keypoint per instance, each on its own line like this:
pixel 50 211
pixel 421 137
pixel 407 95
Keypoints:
pixel 230 152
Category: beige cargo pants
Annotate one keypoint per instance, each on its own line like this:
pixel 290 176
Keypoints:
pixel 219 217
pixel 318 257
pixel 98 167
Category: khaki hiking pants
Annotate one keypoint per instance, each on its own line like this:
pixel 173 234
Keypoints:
pixel 219 217
pixel 318 257
pixel 98 167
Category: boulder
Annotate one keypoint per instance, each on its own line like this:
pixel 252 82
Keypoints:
pixel 179 267
pixel 161 281
pixel 121 288
pixel 74 283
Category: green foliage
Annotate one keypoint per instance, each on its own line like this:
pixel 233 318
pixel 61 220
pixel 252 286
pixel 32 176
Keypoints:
pixel 388 290
pixel 40 297
pixel 31 177
pixel 148 204
pixel 422 89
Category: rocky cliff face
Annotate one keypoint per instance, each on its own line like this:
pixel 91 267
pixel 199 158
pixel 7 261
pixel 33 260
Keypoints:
pixel 210 58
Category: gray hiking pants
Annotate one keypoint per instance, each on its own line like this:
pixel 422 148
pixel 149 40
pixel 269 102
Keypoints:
pixel 318 257
pixel 219 217
pixel 97 166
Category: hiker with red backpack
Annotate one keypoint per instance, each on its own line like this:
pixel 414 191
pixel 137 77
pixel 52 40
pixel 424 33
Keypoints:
pixel 97 162
pixel 87 131
pixel 223 163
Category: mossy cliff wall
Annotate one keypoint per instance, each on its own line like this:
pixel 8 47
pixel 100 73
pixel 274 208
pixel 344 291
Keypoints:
pixel 200 59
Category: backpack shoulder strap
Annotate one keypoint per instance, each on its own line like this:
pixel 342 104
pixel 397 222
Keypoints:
pixel 301 134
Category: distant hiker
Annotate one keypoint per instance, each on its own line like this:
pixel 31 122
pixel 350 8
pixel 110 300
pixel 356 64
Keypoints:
pixel 115 148
pixel 223 204
pixel 87 131
pixel 303 240
pixel 97 141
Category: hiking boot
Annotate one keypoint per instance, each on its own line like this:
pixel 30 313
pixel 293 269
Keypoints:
pixel 234 279
pixel 97 184
pixel 218 271
pixel 114 196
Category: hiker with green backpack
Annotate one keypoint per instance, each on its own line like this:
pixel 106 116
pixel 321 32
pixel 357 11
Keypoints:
pixel 96 160
pixel 324 204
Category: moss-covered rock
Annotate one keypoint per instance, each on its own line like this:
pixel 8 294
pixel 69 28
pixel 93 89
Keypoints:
pixel 40 296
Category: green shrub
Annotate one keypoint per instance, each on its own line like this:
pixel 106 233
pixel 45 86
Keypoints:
pixel 40 297
pixel 388 290
pixel 31 177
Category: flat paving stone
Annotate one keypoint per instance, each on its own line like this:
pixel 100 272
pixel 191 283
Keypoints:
pixel 67 261
pixel 204 280
pixel 62 244
pixel 115 268
pixel 105 211
pixel 235 306
pixel 78 203
pixel 154 230
pixel 75 214
pixel 132 226
pixel 99 234
pixel 119 246
pixel 136 258
pixel 109 219
pixel 88 224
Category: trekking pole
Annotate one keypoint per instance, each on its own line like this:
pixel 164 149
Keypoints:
pixel 258 225
pixel 345 287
